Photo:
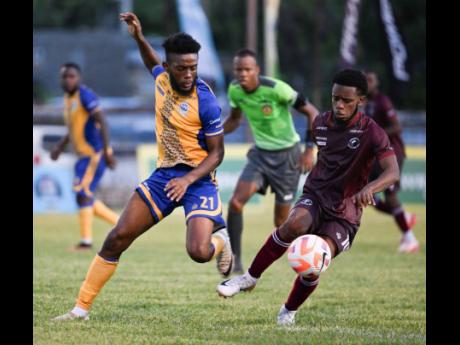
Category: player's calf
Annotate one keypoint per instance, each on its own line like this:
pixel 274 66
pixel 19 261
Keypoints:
pixel 116 242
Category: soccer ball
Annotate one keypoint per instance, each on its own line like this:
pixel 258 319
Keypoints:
pixel 309 255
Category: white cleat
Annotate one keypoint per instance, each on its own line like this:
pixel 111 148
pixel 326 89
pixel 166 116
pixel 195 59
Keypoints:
pixel 286 317
pixel 231 287
pixel 408 243
pixel 225 259
pixel 70 316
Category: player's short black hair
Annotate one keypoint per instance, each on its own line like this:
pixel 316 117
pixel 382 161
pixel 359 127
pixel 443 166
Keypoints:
pixel 352 77
pixel 71 65
pixel 246 52
pixel 181 43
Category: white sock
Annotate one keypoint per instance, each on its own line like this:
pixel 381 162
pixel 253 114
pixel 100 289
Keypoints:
pixel 409 236
pixel 86 241
pixel 80 311
pixel 248 275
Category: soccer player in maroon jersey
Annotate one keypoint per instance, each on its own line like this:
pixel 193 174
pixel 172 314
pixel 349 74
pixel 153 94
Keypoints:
pixel 335 192
pixel 380 108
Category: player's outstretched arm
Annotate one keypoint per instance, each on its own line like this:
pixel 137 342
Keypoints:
pixel 59 147
pixel 176 188
pixel 108 153
pixel 389 176
pixel 233 121
pixel 149 56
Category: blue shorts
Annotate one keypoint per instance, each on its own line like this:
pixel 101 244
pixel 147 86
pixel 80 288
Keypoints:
pixel 200 200
pixel 88 173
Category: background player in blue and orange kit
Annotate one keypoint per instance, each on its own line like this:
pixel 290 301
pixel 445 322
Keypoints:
pixel 190 147
pixel 380 108
pixel 89 134
pixel 335 192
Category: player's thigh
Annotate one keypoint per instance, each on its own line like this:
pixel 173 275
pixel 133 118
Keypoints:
pixel 198 237
pixel 135 219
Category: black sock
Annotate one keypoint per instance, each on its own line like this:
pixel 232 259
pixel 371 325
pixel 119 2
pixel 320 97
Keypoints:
pixel 235 228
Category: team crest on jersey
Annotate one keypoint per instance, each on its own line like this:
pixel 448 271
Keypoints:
pixel 307 202
pixel 353 143
pixel 267 109
pixel 183 108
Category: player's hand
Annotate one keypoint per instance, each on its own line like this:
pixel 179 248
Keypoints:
pixel 364 197
pixel 55 153
pixel 110 160
pixel 306 161
pixel 134 25
pixel 176 188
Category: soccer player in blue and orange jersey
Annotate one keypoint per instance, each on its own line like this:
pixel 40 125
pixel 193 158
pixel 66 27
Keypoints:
pixel 190 147
pixel 89 134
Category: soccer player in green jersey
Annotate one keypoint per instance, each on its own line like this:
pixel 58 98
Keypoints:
pixel 276 159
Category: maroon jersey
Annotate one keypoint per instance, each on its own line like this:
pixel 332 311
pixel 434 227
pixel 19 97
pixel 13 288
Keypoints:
pixel 381 110
pixel 345 156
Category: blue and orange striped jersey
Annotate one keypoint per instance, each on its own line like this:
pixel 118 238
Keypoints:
pixel 183 121
pixel 84 131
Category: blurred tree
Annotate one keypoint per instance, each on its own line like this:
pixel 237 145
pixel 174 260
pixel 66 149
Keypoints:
pixel 309 34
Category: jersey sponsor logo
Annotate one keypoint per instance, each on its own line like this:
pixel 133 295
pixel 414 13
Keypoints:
pixel 307 202
pixel 183 108
pixel 353 143
pixel 321 128
pixel 267 109
pixel 356 131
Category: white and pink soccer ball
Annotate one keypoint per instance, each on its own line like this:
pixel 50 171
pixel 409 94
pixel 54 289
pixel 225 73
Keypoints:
pixel 309 255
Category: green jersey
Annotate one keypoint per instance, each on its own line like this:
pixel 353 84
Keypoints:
pixel 267 110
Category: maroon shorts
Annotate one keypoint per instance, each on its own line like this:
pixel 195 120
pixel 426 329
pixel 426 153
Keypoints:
pixel 337 229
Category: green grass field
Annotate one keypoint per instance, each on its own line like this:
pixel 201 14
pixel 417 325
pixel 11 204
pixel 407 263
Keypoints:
pixel 369 295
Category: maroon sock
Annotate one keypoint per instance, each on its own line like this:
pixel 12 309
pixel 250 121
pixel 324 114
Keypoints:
pixel 383 206
pixel 300 291
pixel 400 219
pixel 272 250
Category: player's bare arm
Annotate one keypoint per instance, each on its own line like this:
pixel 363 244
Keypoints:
pixel 394 127
pixel 233 121
pixel 59 147
pixel 389 176
pixel 149 56
pixel 177 187
pixel 307 158
pixel 108 153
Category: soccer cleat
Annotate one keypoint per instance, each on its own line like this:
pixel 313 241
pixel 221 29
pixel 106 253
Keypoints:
pixel 408 243
pixel 82 247
pixel 411 219
pixel 71 316
pixel 231 287
pixel 225 258
pixel 286 317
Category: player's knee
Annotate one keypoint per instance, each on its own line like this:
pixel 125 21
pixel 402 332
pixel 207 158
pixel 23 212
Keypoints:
pixel 199 252
pixel 116 242
pixel 293 228
pixel 236 205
